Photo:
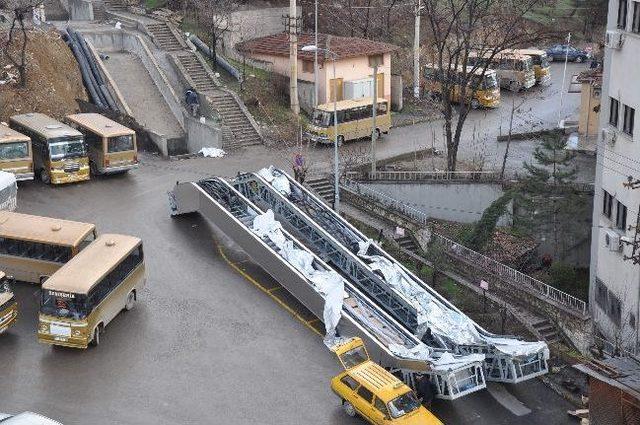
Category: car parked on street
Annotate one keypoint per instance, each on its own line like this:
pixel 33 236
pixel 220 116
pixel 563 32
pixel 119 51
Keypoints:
pixel 559 51
pixel 26 418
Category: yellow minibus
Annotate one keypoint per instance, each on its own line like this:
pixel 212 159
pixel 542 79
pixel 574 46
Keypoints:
pixel 112 146
pixel 15 153
pixel 81 298
pixel 482 88
pixel 541 66
pixel 8 304
pixel 355 120
pixel 515 71
pixel 59 153
pixel 33 247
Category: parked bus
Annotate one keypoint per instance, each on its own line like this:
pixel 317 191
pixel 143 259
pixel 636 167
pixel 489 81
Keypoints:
pixel 8 304
pixel 482 89
pixel 33 247
pixel 81 298
pixel 15 153
pixel 59 153
pixel 541 67
pixel 515 71
pixel 354 120
pixel 111 146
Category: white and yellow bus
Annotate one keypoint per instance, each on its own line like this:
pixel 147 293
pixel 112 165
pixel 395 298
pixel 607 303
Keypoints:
pixel 81 298
pixel 482 89
pixel 15 153
pixel 32 248
pixel 112 146
pixel 541 66
pixel 8 304
pixel 59 153
pixel 515 71
pixel 355 120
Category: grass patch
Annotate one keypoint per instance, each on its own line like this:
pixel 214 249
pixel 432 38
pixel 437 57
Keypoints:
pixel 155 4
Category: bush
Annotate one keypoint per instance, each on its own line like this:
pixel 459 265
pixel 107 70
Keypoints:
pixel 563 276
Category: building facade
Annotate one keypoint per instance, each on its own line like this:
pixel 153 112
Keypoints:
pixel 615 280
pixel 354 74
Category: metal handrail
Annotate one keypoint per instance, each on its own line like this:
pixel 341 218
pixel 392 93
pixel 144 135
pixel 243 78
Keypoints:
pixel 393 175
pixel 477 258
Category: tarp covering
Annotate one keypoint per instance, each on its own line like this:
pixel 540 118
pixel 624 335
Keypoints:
pixel 8 191
pixel 516 348
pixel 212 152
pixel 279 181
pixel 448 361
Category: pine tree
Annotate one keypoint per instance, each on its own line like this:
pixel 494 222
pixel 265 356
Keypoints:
pixel 548 201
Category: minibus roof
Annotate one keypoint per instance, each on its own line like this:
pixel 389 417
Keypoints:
pixel 39 229
pixel 378 380
pixel 477 71
pixel 45 126
pixel 348 104
pixel 9 135
pixel 536 52
pixel 99 124
pixel 80 274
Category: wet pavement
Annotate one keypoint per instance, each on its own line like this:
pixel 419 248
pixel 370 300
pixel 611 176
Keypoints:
pixel 203 345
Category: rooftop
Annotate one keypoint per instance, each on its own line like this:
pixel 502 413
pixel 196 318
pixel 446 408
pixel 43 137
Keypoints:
pixel 43 229
pixel 100 124
pixel 620 372
pixel 344 47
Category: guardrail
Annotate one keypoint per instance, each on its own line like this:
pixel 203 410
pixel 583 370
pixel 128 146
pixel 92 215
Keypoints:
pixel 386 200
pixel 512 275
pixel 490 176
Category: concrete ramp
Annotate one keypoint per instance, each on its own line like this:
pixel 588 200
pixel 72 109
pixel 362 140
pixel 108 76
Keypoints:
pixel 139 91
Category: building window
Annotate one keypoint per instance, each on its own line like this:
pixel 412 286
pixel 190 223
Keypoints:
pixel 635 25
pixel 607 203
pixel 614 106
pixel 622 14
pixel 307 66
pixel 602 299
pixel 621 216
pixel 615 309
pixel 627 122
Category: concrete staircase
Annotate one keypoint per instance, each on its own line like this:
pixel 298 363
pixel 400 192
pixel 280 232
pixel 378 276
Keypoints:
pixel 408 243
pixel 164 37
pixel 115 5
pixel 199 75
pixel 546 330
pixel 323 187
pixel 234 118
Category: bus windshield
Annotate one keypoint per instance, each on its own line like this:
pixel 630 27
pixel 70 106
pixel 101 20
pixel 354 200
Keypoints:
pixel 69 306
pixel 524 64
pixel 14 150
pixel 71 148
pixel 490 81
pixel 403 405
pixel 120 143
pixel 544 61
pixel 322 118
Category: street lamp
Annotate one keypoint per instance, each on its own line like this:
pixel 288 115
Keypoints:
pixel 336 174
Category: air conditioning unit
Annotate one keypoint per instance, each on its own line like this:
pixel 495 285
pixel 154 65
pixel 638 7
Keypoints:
pixel 612 241
pixel 614 39
pixel 609 136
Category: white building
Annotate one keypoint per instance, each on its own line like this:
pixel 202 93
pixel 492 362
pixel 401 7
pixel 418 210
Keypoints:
pixel 615 282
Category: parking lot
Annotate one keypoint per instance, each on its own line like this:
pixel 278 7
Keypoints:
pixel 204 344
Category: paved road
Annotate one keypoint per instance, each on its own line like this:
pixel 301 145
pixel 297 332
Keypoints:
pixel 539 111
pixel 203 345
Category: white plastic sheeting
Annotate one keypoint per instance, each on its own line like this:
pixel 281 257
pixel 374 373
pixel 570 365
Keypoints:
pixel 8 191
pixel 448 361
pixel 279 181
pixel 441 319
pixel 329 283
pixel 212 152
pixel 419 352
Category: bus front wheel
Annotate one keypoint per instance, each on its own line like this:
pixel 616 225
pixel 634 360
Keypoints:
pixel 340 140
pixel 96 337
pixel 378 134
pixel 475 104
pixel 131 301
pixel 44 176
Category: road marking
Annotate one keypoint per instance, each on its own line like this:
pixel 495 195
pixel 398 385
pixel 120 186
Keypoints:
pixel 507 400
pixel 267 291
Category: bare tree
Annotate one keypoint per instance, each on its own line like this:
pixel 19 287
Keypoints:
pixel 21 9
pixel 214 18
pixel 458 28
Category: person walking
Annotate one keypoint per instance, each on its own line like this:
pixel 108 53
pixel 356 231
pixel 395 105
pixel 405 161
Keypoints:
pixel 299 168
pixel 193 104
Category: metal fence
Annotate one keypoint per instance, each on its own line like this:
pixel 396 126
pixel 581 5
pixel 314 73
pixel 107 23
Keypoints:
pixel 511 275
pixel 488 176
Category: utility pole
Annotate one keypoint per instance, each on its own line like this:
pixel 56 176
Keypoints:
pixel 374 106
pixel 416 54
pixel 564 77
pixel 315 57
pixel 293 57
